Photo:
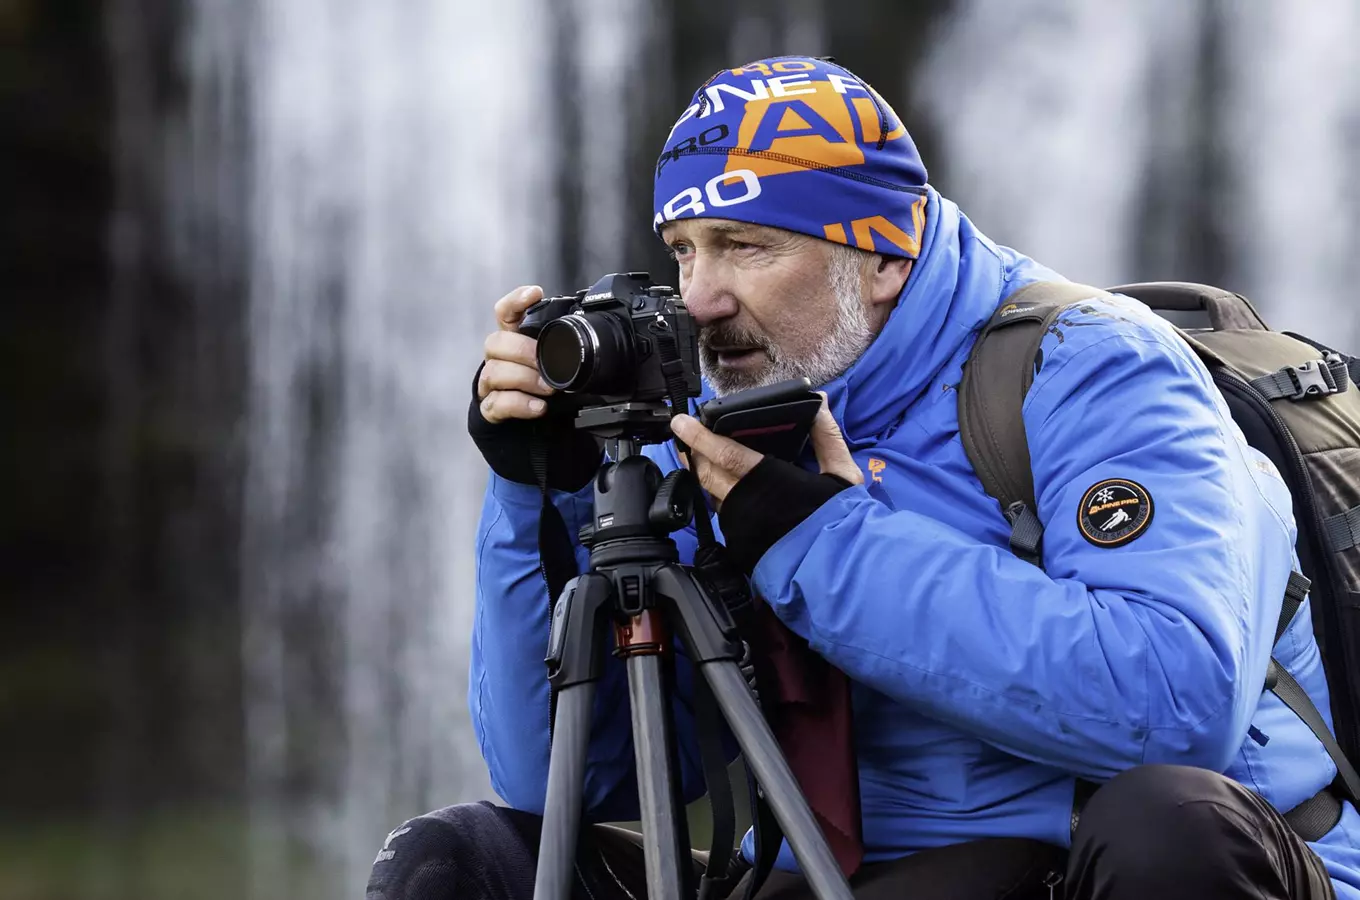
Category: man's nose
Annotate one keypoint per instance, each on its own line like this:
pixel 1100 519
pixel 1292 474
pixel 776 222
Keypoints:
pixel 708 291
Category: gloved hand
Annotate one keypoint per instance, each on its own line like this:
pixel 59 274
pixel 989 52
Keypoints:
pixel 759 498
pixel 511 406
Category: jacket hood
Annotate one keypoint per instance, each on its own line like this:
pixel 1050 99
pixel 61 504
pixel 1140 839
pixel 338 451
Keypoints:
pixel 952 290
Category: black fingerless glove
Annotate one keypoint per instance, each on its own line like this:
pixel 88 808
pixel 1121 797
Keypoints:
pixel 767 503
pixel 574 456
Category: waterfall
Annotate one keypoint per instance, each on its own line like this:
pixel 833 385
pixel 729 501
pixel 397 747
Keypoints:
pixel 1066 126
pixel 401 181
pixel 1293 121
pixel 379 173
pixel 1044 123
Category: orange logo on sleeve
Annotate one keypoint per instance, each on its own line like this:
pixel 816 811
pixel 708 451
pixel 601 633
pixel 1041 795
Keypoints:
pixel 876 467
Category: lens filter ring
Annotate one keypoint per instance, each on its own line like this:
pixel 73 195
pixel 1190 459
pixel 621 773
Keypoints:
pixel 567 350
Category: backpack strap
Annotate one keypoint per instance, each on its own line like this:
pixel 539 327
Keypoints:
pixel 1352 363
pixel 1343 530
pixel 1315 378
pixel 1280 683
pixel 991 398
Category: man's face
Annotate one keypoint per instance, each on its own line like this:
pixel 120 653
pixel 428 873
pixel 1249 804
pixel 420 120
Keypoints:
pixel 771 304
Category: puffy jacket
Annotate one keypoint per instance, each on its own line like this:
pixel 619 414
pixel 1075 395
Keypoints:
pixel 984 686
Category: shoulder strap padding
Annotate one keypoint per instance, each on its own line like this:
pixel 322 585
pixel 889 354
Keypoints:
pixel 996 378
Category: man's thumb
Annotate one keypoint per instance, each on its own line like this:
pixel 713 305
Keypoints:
pixel 833 456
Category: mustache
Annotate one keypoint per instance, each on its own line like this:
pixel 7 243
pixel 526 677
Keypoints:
pixel 726 334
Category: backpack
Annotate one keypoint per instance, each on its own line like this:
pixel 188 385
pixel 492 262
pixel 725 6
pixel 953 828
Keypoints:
pixel 1296 401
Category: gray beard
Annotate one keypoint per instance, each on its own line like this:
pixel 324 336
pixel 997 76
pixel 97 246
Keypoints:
pixel 849 338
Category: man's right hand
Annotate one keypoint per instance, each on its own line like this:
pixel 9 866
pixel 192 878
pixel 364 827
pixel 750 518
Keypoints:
pixel 510 386
pixel 509 401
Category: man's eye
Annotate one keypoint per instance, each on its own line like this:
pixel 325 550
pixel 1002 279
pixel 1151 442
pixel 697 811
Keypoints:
pixel 675 251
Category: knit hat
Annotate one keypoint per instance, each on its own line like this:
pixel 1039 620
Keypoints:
pixel 799 143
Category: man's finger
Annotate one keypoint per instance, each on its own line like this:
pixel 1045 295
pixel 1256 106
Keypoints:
pixel 510 308
pixel 722 452
pixel 716 481
pixel 498 406
pixel 499 375
pixel 833 456
pixel 512 346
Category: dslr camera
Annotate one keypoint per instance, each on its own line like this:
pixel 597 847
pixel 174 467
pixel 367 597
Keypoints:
pixel 625 345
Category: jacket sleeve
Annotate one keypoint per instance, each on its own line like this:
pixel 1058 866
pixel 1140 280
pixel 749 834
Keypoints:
pixel 1151 651
pixel 508 692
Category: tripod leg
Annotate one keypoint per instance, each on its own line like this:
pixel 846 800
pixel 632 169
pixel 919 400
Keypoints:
pixel 667 856
pixel 574 667
pixel 761 749
pixel 706 631
pixel 566 775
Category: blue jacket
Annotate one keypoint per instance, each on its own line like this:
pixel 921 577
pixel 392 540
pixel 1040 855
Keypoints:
pixel 984 686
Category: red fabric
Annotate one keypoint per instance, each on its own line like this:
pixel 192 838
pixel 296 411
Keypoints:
pixel 812 719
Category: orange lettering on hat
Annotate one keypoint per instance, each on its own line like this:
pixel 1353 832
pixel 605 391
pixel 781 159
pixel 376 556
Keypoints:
pixel 835 232
pixel 868 120
pixel 751 67
pixel 864 230
pixel 815 126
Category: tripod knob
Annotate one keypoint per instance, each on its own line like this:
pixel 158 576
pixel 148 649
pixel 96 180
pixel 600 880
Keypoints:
pixel 673 506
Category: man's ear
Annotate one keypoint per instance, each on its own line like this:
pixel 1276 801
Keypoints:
pixel 887 279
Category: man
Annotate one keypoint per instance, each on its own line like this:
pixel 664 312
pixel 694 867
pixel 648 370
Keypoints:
pixel 983 689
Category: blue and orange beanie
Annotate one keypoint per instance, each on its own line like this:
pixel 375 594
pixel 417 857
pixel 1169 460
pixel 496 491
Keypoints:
pixel 798 143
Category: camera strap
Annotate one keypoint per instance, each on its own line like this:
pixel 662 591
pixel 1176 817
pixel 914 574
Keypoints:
pixel 730 588
pixel 673 370
pixel 556 555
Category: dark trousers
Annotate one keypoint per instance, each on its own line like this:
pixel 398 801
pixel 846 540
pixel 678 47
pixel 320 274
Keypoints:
pixel 1162 832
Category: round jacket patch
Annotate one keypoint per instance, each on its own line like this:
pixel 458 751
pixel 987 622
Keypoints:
pixel 1114 512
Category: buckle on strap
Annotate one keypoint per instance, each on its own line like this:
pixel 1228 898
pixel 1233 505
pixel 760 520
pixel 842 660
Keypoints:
pixel 1297 587
pixel 1318 378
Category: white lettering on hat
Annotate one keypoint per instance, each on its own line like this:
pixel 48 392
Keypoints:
pixel 694 204
pixel 691 200
pixel 715 102
pixel 689 111
pixel 843 84
pixel 750 183
pixel 778 85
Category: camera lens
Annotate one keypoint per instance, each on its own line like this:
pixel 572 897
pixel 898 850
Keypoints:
pixel 585 352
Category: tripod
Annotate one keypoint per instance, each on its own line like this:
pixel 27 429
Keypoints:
pixel 637 585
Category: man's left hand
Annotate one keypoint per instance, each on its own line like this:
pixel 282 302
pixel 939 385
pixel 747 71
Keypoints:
pixel 721 462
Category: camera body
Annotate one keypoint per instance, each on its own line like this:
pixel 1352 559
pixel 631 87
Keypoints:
pixel 624 340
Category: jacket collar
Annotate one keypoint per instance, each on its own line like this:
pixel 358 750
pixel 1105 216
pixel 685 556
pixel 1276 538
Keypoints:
pixel 953 288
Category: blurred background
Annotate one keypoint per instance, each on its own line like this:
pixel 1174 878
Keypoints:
pixel 250 249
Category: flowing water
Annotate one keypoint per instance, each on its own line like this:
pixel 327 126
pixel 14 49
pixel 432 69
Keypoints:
pixel 400 185
pixel 1132 142
pixel 391 169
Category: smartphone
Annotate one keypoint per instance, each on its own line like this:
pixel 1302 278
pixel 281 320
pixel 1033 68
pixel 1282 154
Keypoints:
pixel 774 420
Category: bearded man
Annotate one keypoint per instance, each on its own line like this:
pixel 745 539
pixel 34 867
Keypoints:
pixel 982 691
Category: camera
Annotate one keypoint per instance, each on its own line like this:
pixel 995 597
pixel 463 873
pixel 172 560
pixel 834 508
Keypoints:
pixel 623 341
